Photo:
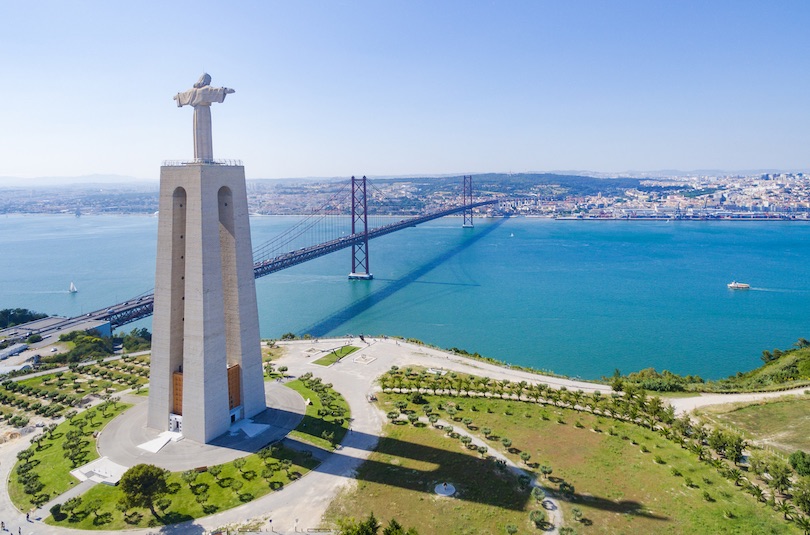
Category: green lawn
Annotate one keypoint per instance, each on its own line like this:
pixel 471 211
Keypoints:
pixel 782 424
pixel 336 355
pixel 618 487
pixel 205 496
pixel 314 425
pixel 51 463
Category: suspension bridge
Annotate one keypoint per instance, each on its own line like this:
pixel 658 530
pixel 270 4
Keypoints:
pixel 333 232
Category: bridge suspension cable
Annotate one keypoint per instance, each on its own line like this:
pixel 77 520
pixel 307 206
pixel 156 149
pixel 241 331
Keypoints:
pixel 322 225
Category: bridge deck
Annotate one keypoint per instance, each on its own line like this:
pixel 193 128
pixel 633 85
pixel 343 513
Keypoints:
pixel 142 307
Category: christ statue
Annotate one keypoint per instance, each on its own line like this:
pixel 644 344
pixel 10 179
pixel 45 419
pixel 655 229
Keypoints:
pixel 201 96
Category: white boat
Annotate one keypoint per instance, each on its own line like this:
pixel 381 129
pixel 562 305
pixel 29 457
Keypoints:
pixel 734 285
pixel 73 288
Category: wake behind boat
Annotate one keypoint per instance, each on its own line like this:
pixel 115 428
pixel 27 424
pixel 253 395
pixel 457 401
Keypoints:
pixel 734 285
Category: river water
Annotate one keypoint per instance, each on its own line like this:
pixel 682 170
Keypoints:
pixel 579 298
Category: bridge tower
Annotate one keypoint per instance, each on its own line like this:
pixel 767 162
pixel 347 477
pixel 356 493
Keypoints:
pixel 206 369
pixel 467 199
pixel 360 225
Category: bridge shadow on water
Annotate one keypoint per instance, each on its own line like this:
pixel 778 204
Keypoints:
pixel 340 317
pixel 420 466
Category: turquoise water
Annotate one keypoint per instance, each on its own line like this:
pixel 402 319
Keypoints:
pixel 577 297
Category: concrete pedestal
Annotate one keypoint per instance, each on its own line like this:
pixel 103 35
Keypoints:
pixel 206 355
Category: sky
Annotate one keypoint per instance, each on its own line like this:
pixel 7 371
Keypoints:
pixel 392 88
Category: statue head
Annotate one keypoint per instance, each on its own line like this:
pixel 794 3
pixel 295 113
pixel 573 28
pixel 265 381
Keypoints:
pixel 204 80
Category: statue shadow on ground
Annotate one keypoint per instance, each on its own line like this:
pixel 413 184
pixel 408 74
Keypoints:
pixel 186 528
pixel 342 316
pixel 624 507
pixel 464 470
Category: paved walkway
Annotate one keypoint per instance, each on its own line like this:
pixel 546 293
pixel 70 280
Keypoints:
pixel 301 505
pixel 121 438
pixel 683 405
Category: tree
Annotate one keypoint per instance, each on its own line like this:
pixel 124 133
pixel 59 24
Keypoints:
pixel 369 526
pixel 189 476
pixel 25 454
pixel 780 476
pixel 395 528
pixel 537 517
pixel 577 513
pixel 525 456
pixel 486 431
pixel 239 463
pixel 803 523
pixel 93 506
pixel 786 508
pixel 801 494
pixel 215 471
pixel 511 529
pixel 507 443
pixel 71 504
pixel 800 461
pixel 736 476
pixel 538 494
pixel 142 485
pixel 567 489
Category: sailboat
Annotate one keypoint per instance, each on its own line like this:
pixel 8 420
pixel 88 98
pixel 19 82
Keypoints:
pixel 73 288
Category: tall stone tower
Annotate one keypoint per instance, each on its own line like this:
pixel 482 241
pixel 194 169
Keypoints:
pixel 206 369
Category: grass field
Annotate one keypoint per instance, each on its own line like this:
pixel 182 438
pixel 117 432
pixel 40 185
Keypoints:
pixel 336 355
pixel 206 495
pixel 314 425
pixel 618 487
pixel 50 460
pixel 210 492
pixel 783 424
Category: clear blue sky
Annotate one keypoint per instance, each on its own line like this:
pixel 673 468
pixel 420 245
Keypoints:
pixel 335 88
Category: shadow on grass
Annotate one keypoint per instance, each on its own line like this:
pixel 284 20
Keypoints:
pixel 623 507
pixel 471 472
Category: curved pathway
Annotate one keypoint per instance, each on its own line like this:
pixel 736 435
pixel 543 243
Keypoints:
pixel 684 405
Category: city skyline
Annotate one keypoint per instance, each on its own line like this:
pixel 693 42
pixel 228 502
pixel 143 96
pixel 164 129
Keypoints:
pixel 327 89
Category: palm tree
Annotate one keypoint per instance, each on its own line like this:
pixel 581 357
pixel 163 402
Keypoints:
pixel 736 476
pixel 786 508
pixel 803 523
pixel 697 449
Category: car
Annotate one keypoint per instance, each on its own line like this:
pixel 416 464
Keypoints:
pixel 54 350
